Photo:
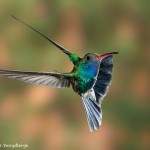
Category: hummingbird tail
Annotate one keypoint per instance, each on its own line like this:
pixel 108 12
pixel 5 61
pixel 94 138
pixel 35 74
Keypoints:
pixel 93 113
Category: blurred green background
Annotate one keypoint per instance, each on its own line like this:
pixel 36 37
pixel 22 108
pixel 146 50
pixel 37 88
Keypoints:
pixel 53 119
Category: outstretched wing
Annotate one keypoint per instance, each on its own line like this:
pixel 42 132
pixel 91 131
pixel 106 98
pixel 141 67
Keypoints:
pixel 92 109
pixel 52 79
pixel 104 79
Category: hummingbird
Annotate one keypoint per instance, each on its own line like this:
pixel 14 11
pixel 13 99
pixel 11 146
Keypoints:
pixel 90 77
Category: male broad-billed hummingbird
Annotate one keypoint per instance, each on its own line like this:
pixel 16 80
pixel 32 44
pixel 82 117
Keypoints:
pixel 90 78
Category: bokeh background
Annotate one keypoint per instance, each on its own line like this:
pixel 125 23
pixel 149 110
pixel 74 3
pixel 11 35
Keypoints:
pixel 54 119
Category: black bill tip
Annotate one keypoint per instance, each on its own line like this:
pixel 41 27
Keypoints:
pixel 111 53
pixel 115 52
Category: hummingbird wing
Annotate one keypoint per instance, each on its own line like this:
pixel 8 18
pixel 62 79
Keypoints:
pixel 57 80
pixel 104 79
pixel 92 109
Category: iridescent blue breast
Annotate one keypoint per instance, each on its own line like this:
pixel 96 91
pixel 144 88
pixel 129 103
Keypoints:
pixel 87 74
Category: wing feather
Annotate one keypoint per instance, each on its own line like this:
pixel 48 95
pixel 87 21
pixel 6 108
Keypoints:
pixel 52 79
pixel 104 79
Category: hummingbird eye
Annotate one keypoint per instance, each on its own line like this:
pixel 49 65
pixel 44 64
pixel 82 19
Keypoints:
pixel 88 58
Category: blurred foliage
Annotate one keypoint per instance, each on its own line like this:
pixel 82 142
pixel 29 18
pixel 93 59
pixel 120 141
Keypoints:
pixel 47 118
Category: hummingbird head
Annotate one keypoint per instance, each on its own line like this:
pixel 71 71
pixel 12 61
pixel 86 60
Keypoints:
pixel 90 63
pixel 92 56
